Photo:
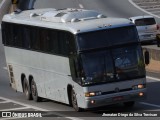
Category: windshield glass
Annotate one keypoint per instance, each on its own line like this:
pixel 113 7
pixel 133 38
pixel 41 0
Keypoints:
pixel 107 37
pixel 112 65
pixel 145 21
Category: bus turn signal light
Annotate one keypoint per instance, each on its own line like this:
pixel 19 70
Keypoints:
pixel 140 86
pixel 90 94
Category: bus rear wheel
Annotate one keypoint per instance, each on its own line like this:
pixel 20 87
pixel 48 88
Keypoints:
pixel 34 92
pixel 74 101
pixel 26 89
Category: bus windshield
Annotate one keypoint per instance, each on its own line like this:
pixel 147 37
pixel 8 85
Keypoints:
pixel 112 65
pixel 107 37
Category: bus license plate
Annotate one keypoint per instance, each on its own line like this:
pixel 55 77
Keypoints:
pixel 119 98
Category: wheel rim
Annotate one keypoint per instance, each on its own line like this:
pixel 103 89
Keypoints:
pixel 33 89
pixel 26 89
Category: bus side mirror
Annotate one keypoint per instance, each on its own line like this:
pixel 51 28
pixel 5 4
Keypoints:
pixel 147 58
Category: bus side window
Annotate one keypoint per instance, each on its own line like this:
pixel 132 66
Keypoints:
pixel 26 38
pixel 58 42
pixel 13 35
pixel 63 43
pixel 53 42
pixel 9 34
pixel 17 35
pixel 35 44
pixel 44 39
pixel 66 43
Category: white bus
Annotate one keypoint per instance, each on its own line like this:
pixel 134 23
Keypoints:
pixel 74 56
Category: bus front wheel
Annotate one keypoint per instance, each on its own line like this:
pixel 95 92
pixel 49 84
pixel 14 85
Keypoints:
pixel 34 92
pixel 74 101
pixel 26 89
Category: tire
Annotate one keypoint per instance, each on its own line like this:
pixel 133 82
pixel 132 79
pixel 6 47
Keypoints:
pixel 34 92
pixel 129 104
pixel 27 90
pixel 74 101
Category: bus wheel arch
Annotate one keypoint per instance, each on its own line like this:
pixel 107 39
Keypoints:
pixel 74 101
pixel 72 98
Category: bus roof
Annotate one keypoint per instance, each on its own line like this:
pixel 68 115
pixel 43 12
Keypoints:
pixel 69 19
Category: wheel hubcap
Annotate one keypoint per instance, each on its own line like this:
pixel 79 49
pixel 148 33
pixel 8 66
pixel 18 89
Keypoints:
pixel 33 90
pixel 26 89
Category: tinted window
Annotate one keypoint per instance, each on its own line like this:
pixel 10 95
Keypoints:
pixel 13 35
pixel 26 38
pixel 112 65
pixel 108 37
pixel 145 21
pixel 39 39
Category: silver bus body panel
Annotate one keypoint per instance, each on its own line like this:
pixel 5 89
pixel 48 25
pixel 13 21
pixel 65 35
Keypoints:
pixel 47 75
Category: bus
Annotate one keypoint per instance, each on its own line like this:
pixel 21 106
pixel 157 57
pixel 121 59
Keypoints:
pixel 74 56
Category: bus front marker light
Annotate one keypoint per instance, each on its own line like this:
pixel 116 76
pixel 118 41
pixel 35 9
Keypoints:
pixel 140 86
pixel 90 94
pixel 141 94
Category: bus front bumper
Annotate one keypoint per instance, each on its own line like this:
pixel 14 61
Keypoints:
pixel 103 100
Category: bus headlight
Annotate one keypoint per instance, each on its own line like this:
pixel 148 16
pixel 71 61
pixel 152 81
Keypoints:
pixel 140 86
pixel 90 94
